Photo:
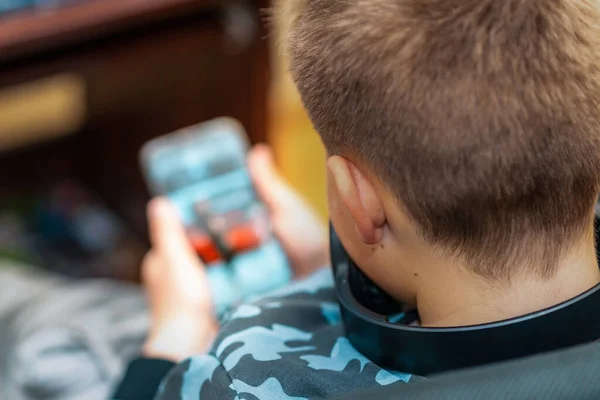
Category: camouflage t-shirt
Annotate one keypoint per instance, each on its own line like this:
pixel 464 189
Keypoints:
pixel 288 345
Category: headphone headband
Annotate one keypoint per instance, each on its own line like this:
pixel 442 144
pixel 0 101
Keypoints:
pixel 425 351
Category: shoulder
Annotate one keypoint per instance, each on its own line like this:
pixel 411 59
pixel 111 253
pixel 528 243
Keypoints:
pixel 287 345
pixel 302 304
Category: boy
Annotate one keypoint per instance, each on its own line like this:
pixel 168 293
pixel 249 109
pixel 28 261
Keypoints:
pixel 463 168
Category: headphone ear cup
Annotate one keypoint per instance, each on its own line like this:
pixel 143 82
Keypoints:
pixel 364 290
pixel 369 294
pixel 336 250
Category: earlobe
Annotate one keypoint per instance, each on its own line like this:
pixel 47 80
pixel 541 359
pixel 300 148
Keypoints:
pixel 359 197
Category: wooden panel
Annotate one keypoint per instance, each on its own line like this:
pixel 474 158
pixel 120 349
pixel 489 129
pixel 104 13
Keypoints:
pixel 148 67
pixel 28 32
pixel 164 84
pixel 141 84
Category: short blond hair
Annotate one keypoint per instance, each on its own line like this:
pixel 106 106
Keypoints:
pixel 482 116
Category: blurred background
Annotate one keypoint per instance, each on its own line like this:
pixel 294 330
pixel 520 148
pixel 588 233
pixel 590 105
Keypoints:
pixel 84 83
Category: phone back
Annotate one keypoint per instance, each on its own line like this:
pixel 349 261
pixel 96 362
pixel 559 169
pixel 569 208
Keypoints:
pixel 202 170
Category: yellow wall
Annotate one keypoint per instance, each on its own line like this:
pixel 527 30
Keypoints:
pixel 298 149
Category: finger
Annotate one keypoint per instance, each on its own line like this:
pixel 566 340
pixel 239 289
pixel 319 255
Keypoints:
pixel 149 267
pixel 167 233
pixel 272 188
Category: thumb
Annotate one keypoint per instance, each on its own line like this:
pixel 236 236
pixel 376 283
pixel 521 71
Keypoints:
pixel 167 233
pixel 272 188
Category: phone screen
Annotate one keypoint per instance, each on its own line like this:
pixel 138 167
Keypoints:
pixel 202 170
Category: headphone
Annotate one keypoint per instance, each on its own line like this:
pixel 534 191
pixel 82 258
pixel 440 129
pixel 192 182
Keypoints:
pixel 377 327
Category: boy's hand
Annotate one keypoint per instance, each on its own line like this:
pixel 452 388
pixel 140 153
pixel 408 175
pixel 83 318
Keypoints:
pixel 183 322
pixel 303 237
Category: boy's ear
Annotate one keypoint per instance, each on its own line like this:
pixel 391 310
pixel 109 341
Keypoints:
pixel 359 197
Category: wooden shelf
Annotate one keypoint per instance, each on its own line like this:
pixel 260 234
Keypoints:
pixel 31 31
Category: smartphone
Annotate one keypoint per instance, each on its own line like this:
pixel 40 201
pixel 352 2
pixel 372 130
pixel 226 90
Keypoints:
pixel 202 170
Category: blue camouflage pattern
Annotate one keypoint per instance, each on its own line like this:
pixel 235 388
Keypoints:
pixel 289 345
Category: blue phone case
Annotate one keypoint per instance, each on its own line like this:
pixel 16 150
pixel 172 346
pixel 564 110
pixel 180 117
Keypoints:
pixel 204 166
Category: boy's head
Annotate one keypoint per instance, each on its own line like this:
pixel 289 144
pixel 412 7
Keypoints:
pixel 464 130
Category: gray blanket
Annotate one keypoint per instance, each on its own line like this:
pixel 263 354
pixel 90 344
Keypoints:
pixel 62 339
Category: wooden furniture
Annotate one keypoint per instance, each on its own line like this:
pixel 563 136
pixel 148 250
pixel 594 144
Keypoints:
pixel 142 69
pixel 145 68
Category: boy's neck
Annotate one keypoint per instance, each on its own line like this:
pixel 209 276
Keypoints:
pixel 460 298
